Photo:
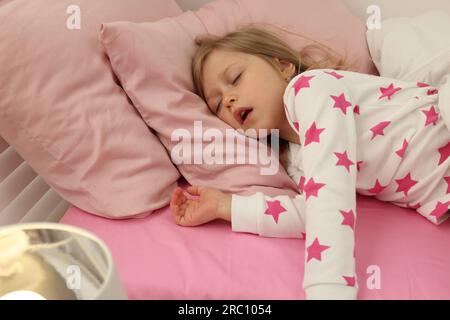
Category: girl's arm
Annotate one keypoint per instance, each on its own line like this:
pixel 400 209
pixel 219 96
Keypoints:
pixel 280 216
pixel 322 106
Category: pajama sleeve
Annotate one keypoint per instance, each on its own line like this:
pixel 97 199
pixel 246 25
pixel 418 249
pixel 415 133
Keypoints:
pixel 280 216
pixel 320 106
pixel 319 102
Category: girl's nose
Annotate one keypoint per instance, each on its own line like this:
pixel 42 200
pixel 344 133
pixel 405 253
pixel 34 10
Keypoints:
pixel 230 100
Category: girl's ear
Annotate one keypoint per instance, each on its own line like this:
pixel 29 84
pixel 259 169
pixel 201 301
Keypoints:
pixel 287 68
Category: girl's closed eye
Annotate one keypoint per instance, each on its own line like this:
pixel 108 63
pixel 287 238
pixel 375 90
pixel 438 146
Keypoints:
pixel 237 78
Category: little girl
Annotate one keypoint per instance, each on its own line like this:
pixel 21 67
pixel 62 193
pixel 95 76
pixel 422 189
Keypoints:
pixel 346 132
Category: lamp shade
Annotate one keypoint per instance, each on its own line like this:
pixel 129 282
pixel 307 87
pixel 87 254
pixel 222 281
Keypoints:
pixel 56 262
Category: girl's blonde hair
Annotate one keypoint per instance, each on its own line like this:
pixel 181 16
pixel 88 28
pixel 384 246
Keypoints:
pixel 257 41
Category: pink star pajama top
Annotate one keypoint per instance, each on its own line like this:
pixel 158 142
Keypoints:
pixel 373 135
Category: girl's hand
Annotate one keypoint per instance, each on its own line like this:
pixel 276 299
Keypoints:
pixel 212 204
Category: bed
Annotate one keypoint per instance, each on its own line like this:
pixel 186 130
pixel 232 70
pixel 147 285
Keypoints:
pixel 399 254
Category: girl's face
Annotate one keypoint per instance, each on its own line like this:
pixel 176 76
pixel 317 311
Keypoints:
pixel 245 91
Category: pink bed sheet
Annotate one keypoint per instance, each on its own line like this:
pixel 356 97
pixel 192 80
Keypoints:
pixel 400 255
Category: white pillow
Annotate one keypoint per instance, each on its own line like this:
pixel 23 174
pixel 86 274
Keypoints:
pixel 413 48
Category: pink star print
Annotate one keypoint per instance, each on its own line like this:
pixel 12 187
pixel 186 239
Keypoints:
pixel 301 184
pixel 405 184
pixel 334 74
pixel 274 208
pixel 350 281
pixel 315 250
pixel 341 103
pixel 432 116
pixel 440 209
pixel 445 153
pixel 378 129
pixel 349 218
pixel 296 126
pixel 422 84
pixel 377 188
pixel 358 165
pixel 313 134
pixel 430 92
pixel 343 160
pixel 402 151
pixel 356 109
pixel 311 188
pixel 447 179
pixel 302 82
pixel 388 92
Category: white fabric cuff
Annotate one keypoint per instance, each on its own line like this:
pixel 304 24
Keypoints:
pixel 244 213
pixel 331 292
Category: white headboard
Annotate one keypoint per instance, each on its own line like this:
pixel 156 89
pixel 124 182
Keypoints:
pixel 388 8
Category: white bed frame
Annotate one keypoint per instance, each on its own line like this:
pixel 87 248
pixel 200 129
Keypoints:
pixel 25 197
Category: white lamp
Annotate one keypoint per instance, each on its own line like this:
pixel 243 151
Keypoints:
pixel 55 261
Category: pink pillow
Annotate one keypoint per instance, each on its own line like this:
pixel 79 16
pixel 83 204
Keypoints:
pixel 153 61
pixel 63 110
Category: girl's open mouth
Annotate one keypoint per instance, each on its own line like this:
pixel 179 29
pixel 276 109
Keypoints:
pixel 245 116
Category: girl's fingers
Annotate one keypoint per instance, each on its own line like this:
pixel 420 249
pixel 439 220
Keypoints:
pixel 181 218
pixel 176 210
pixel 194 190
pixel 176 201
pixel 173 202
pixel 179 215
pixel 181 204
pixel 179 196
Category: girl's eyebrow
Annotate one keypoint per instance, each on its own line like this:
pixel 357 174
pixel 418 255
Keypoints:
pixel 222 74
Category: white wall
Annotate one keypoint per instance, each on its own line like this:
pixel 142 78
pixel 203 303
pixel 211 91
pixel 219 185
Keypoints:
pixel 389 8
pixel 397 8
